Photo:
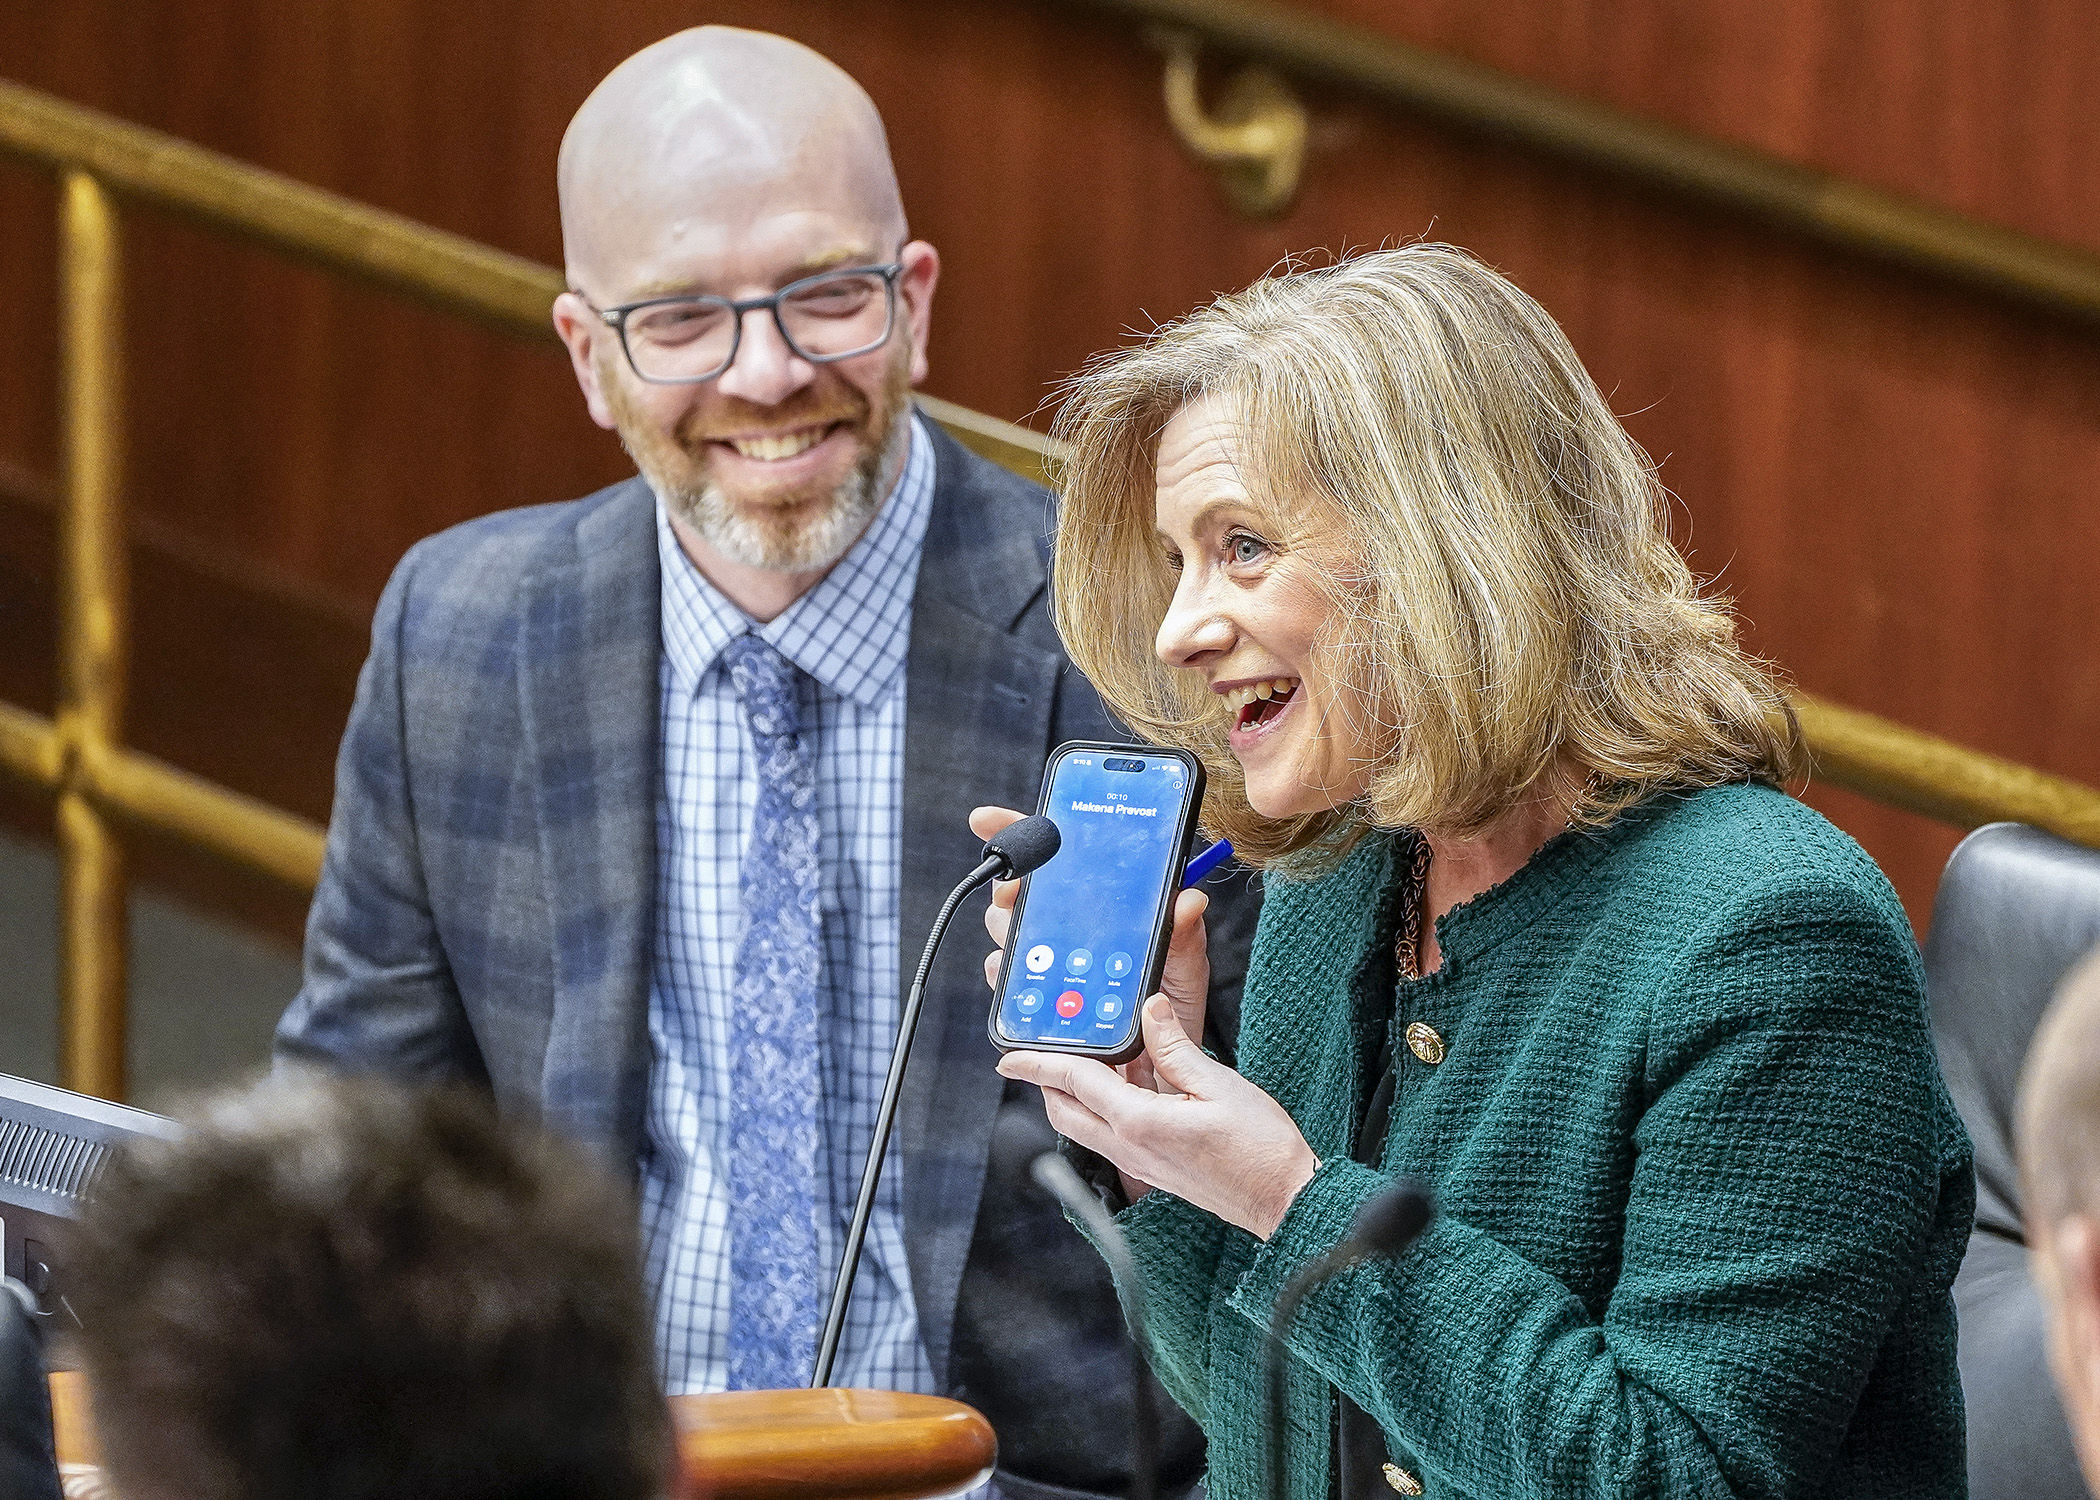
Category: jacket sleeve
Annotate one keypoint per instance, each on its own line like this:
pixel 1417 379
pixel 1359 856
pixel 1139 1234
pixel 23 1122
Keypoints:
pixel 378 994
pixel 1177 1248
pixel 1787 1205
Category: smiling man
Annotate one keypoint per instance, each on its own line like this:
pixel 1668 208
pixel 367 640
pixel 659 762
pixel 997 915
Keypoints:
pixel 771 440
pixel 649 799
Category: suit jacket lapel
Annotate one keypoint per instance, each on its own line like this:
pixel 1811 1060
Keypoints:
pixel 977 716
pixel 588 681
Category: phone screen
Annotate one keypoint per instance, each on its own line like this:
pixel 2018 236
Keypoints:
pixel 1083 951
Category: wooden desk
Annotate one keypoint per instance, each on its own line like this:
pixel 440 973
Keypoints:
pixel 760 1445
pixel 830 1445
pixel 69 1419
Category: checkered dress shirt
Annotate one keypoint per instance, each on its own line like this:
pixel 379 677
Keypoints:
pixel 850 635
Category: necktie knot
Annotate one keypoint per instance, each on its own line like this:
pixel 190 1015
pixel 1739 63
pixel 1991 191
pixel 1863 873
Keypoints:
pixel 765 684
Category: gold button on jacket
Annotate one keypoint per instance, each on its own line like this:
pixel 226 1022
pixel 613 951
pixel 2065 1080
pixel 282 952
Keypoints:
pixel 1423 1041
pixel 1396 1476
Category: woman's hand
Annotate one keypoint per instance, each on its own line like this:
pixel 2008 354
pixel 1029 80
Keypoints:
pixel 1185 980
pixel 1204 1133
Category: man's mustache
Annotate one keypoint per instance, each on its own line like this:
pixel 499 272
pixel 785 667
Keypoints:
pixel 746 420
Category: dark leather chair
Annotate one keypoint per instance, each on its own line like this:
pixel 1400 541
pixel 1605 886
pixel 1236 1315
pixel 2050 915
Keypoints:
pixel 2016 909
pixel 28 1467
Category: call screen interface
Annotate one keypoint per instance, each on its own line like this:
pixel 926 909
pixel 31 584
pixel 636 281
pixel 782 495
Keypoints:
pixel 1078 961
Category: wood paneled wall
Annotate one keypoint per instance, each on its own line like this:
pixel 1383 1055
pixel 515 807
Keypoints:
pixel 1895 481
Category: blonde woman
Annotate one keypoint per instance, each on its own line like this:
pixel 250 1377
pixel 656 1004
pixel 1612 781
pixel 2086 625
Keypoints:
pixel 1541 929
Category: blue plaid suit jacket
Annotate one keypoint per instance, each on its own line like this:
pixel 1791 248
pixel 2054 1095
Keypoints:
pixel 485 910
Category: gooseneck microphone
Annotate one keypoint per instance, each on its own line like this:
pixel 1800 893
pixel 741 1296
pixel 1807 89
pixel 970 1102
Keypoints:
pixel 1383 1227
pixel 1009 854
pixel 1056 1174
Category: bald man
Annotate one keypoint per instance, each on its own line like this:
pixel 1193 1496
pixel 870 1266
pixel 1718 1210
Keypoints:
pixel 2059 1135
pixel 649 799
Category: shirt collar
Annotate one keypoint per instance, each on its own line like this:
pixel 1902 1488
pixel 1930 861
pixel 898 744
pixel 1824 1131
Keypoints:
pixel 851 632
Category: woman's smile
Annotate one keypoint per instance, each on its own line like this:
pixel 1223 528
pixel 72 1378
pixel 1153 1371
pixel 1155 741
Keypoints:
pixel 1258 708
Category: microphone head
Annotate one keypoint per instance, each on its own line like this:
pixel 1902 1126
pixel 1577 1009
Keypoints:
pixel 1390 1222
pixel 1023 846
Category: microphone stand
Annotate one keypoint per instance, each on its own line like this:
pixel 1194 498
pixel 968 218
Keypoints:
pixel 1383 1227
pixel 993 866
pixel 1056 1174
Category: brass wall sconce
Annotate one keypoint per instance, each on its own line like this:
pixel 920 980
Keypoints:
pixel 1255 141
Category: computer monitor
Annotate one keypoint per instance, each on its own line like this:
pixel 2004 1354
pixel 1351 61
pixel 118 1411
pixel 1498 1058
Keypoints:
pixel 52 1146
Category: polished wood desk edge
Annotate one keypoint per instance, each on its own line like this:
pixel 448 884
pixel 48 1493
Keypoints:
pixel 831 1444
pixel 70 1423
pixel 756 1445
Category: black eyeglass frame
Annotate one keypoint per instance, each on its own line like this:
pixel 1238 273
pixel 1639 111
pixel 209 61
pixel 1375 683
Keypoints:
pixel 616 318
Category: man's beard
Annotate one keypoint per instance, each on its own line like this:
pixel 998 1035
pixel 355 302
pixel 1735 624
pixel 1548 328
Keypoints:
pixel 788 531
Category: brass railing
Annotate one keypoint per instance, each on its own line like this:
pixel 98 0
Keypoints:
pixel 1486 103
pixel 79 753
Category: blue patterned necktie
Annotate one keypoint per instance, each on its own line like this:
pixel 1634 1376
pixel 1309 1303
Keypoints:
pixel 774 1276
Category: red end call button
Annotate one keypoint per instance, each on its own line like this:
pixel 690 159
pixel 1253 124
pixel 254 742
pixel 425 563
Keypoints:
pixel 1070 1004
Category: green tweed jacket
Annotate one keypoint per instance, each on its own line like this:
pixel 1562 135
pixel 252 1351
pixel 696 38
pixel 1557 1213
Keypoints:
pixel 1702 1190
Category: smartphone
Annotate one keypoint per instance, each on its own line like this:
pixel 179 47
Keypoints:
pixel 1090 928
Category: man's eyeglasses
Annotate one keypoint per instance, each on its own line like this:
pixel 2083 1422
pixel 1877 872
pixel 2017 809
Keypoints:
pixel 830 316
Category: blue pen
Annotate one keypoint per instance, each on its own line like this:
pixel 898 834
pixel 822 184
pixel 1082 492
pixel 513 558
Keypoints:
pixel 1201 866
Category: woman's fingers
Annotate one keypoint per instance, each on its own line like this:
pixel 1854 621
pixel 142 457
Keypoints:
pixel 1219 1141
pixel 1075 1122
pixel 1178 1064
pixel 998 921
pixel 1186 977
pixel 1189 907
pixel 1093 1084
pixel 986 821
pixel 999 916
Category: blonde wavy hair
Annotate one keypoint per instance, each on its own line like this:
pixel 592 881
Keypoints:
pixel 1509 610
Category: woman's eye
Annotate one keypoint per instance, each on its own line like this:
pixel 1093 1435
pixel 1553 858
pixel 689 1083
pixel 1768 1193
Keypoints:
pixel 1173 560
pixel 1243 548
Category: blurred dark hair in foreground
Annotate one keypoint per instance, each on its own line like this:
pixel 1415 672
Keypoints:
pixel 334 1289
